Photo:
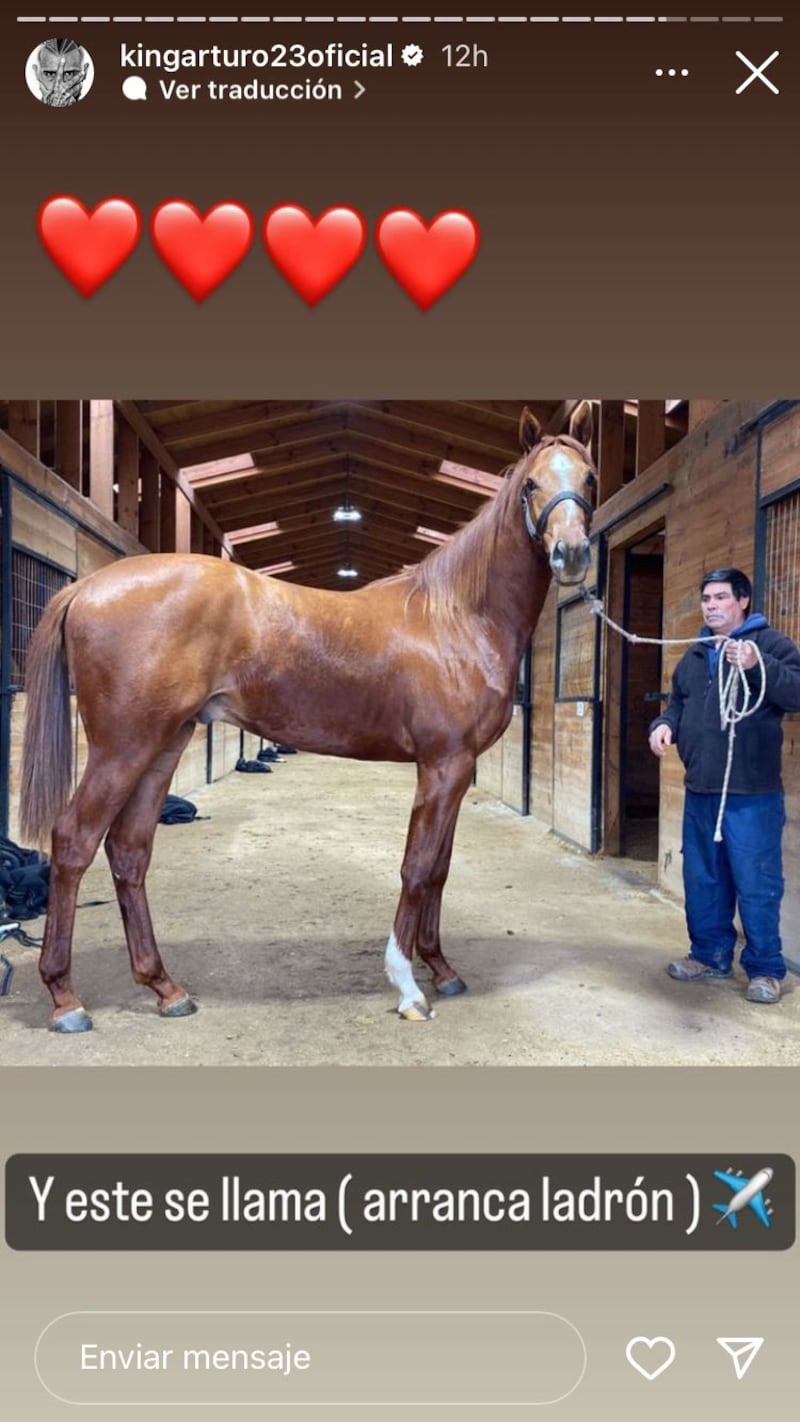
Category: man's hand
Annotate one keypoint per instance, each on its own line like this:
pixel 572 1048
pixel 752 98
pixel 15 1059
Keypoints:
pixel 660 739
pixel 740 654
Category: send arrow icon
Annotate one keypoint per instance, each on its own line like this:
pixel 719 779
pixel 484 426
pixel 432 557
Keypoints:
pixel 741 1351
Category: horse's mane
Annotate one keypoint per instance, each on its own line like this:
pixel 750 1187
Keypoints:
pixel 454 577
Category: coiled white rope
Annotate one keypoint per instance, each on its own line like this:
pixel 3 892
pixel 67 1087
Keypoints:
pixel 729 687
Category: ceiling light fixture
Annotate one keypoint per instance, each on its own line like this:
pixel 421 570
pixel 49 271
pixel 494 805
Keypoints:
pixel 346 513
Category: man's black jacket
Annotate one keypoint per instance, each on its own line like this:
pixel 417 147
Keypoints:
pixel 693 716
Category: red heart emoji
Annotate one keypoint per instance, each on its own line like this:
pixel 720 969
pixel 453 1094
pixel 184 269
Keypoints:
pixel 201 251
pixel 314 256
pixel 88 247
pixel 427 259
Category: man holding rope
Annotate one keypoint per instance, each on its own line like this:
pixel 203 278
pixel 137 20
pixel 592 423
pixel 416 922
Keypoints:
pixel 744 867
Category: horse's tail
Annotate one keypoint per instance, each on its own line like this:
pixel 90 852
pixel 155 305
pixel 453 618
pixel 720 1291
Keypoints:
pixel 47 744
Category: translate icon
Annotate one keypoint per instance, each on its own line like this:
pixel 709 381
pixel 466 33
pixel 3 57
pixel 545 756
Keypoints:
pixel 741 1351
pixel 745 1193
pixel 134 87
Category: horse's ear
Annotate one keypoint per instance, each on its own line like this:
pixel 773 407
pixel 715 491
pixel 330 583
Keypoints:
pixel 530 431
pixel 581 425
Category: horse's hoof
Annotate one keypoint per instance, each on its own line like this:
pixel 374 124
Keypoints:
pixel 451 987
pixel 78 1020
pixel 179 1007
pixel 416 1012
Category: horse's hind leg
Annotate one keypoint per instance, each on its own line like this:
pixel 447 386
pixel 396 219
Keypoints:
pixel 129 846
pixel 440 790
pixel 77 833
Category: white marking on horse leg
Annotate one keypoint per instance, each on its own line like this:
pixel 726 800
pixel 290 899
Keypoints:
pixel 399 972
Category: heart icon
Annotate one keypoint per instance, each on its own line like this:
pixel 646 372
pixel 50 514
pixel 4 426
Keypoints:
pixel 650 1368
pixel 88 247
pixel 427 259
pixel 314 255
pixel 201 251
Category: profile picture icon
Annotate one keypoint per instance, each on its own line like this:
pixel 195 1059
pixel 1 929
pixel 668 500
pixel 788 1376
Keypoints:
pixel 59 72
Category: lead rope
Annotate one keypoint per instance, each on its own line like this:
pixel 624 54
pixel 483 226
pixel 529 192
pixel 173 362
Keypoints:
pixel 730 712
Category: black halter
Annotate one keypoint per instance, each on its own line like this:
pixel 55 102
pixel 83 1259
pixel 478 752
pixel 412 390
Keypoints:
pixel 536 530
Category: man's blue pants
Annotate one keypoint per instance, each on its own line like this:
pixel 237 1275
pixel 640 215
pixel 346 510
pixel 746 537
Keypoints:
pixel 745 869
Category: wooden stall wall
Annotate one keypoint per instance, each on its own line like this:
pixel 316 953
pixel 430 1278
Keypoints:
pixel 191 768
pixel 643 679
pixel 42 531
pixel 543 718
pixel 489 770
pixel 574 715
pixel 499 769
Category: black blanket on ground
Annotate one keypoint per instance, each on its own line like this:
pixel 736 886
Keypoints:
pixel 253 767
pixel 24 881
pixel 178 811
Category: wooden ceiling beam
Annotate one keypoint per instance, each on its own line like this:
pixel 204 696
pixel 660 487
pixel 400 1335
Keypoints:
pixel 369 488
pixel 397 488
pixel 254 419
pixel 311 496
pixel 326 475
pixel 331 540
pixel 284 459
pixel 320 517
pixel 290 434
pixel 326 576
pixel 435 435
pixel 500 411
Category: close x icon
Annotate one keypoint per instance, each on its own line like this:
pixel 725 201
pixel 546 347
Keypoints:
pixel 757 71
pixel 203 249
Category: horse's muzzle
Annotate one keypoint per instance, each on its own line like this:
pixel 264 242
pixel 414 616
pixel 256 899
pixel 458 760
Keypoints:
pixel 570 561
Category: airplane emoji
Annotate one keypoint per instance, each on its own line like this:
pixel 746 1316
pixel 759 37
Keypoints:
pixel 746 1192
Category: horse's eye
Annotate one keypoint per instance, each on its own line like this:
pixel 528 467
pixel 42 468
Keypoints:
pixel 591 481
pixel 530 485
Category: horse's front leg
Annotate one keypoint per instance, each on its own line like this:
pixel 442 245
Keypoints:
pixel 445 979
pixel 440 790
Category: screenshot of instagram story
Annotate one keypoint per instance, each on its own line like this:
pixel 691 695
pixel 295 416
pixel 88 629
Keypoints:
pixel 399 716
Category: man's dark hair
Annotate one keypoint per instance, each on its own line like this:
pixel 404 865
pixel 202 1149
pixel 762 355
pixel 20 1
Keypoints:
pixel 61 46
pixel 741 585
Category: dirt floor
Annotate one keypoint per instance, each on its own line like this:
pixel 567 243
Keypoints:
pixel 275 910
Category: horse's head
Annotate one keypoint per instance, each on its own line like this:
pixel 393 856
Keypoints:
pixel 557 481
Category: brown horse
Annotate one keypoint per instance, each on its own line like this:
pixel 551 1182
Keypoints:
pixel 417 667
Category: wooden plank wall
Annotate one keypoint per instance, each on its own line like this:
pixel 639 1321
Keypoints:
pixel 572 759
pixel 93 555
pixel 644 666
pixel 780 454
pixel 511 742
pixel 489 770
pixel 543 675
pixel 40 530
